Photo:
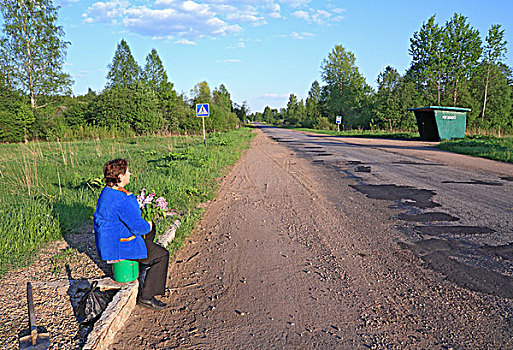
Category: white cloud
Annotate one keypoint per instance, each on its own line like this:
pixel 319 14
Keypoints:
pixel 274 11
pixel 320 17
pixel 273 96
pixel 106 11
pixel 230 60
pixel 249 15
pixel 295 3
pixel 166 19
pixel 194 19
pixel 338 10
pixel 82 74
pixel 239 45
pixel 301 36
pixel 185 42
pixel 302 14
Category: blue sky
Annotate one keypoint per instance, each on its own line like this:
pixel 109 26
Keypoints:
pixel 262 51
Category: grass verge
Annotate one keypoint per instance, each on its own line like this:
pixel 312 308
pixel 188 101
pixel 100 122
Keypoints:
pixel 364 133
pixel 49 189
pixel 490 147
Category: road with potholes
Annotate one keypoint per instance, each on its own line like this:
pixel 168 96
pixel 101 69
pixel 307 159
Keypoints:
pixel 319 242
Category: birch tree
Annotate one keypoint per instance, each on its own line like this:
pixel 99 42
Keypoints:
pixel 32 48
pixel 494 53
pixel 463 46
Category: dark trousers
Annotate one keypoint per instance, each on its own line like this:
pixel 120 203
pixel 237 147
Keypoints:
pixel 153 269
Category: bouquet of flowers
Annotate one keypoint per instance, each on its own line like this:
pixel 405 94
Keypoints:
pixel 151 207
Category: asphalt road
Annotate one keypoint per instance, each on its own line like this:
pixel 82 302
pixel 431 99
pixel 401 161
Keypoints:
pixel 458 206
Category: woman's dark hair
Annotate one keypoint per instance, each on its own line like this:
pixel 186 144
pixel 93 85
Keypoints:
pixel 113 169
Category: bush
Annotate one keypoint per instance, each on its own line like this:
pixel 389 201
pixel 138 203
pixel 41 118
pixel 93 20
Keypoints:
pixel 121 107
pixel 76 114
pixel 324 124
pixel 16 117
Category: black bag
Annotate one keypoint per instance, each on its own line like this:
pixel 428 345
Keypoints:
pixel 93 303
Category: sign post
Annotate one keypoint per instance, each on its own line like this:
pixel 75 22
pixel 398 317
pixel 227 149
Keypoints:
pixel 203 111
pixel 339 121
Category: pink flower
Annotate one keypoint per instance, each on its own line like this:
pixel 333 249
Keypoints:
pixel 151 207
pixel 140 198
pixel 162 203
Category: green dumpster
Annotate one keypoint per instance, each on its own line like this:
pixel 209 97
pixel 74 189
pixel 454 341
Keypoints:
pixel 437 123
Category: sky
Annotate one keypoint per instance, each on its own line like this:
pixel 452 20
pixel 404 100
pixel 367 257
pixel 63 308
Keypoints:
pixel 261 50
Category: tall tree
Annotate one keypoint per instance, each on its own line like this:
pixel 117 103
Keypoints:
pixel 349 93
pixel 33 50
pixel 295 111
pixel 463 45
pixel 242 111
pixel 268 116
pixel 387 107
pixel 154 74
pixel 429 59
pixel 124 70
pixel 494 53
pixel 222 115
pixel 201 93
pixel 312 104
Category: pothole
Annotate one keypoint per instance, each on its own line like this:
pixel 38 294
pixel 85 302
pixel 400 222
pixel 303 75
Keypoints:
pixel 427 217
pixel 438 255
pixel 363 169
pixel 473 182
pixel 453 230
pixel 409 162
pixel 409 196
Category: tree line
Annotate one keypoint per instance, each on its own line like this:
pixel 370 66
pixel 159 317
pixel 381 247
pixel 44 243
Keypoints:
pixel 35 94
pixel 450 66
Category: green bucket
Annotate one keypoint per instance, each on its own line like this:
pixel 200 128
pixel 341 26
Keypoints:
pixel 125 271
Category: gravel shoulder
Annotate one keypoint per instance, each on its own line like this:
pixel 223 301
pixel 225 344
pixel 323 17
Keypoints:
pixel 290 256
pixel 53 275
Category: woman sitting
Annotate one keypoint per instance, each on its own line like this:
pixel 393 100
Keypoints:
pixel 121 233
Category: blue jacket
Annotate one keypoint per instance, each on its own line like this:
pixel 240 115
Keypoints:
pixel 118 226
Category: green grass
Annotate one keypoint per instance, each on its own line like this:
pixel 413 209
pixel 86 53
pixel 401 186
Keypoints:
pixel 482 146
pixel 49 189
pixel 365 133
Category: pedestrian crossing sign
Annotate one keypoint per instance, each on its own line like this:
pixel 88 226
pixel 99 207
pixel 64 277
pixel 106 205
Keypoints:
pixel 202 110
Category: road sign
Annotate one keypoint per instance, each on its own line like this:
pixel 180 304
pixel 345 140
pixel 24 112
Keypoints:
pixel 339 119
pixel 202 110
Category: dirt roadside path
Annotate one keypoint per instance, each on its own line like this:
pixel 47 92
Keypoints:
pixel 290 257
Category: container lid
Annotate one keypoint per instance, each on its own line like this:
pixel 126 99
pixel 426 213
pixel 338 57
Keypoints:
pixel 440 108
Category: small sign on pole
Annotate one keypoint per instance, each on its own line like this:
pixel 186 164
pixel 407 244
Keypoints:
pixel 203 111
pixel 339 121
